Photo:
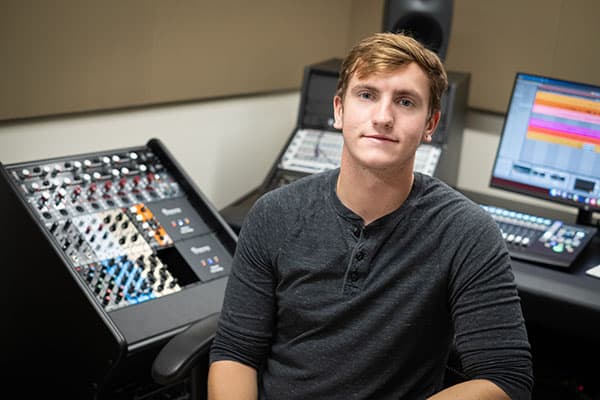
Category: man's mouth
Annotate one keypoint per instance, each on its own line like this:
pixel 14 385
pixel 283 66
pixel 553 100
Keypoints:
pixel 381 138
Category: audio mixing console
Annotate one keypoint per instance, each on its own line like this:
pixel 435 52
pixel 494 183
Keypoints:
pixel 120 241
pixel 113 214
pixel 541 240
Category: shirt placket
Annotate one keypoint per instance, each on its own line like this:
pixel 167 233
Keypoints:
pixel 356 270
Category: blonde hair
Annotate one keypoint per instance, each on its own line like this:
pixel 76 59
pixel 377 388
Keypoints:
pixel 386 52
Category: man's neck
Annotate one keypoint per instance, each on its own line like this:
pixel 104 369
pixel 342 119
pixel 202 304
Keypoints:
pixel 373 194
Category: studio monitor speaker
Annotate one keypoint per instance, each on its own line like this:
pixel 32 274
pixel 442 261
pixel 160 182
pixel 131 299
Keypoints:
pixel 428 21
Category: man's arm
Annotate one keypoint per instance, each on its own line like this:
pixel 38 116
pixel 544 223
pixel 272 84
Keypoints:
pixel 231 380
pixel 476 389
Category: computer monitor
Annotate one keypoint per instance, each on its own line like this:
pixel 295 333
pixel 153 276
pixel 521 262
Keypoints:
pixel 550 143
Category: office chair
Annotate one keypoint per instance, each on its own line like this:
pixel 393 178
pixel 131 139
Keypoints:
pixel 185 356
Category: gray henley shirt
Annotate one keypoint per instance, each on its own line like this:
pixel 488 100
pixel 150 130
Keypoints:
pixel 326 308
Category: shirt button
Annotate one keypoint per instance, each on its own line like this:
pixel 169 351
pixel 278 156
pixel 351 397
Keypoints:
pixel 359 256
pixel 356 231
pixel 354 276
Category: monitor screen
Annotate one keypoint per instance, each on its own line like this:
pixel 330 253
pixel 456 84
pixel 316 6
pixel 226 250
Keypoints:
pixel 550 142
pixel 317 110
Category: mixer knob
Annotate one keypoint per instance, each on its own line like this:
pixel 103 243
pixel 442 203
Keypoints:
pixel 133 155
pixel 96 175
pixel 66 245
pixel 143 168
pixel 45 196
pixel 107 186
pixel 106 160
pixel 53 226
pixel 518 239
pixel 34 187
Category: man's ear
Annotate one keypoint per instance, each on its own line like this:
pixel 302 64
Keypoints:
pixel 430 126
pixel 337 112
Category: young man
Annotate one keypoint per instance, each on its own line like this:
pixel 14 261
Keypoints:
pixel 356 283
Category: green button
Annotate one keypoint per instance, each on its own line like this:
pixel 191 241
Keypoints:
pixel 559 248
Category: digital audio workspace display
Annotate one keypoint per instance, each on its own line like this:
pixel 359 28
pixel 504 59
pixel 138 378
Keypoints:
pixel 124 224
pixel 550 143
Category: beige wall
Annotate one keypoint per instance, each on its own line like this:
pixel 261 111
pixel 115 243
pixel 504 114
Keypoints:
pixel 67 56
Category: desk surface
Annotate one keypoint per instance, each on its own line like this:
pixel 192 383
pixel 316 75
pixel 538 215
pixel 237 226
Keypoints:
pixel 564 300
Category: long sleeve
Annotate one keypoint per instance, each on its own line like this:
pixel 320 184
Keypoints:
pixel 490 333
pixel 247 316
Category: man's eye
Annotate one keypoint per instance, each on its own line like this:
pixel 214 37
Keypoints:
pixel 405 102
pixel 365 95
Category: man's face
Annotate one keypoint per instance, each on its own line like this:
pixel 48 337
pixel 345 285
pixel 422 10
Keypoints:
pixel 385 117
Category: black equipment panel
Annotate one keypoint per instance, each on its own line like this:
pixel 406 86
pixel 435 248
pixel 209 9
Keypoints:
pixel 546 241
pixel 113 253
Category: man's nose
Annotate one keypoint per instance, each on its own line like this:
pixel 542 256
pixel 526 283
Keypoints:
pixel 383 115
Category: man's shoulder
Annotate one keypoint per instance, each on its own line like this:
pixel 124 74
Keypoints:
pixel 442 199
pixel 301 190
